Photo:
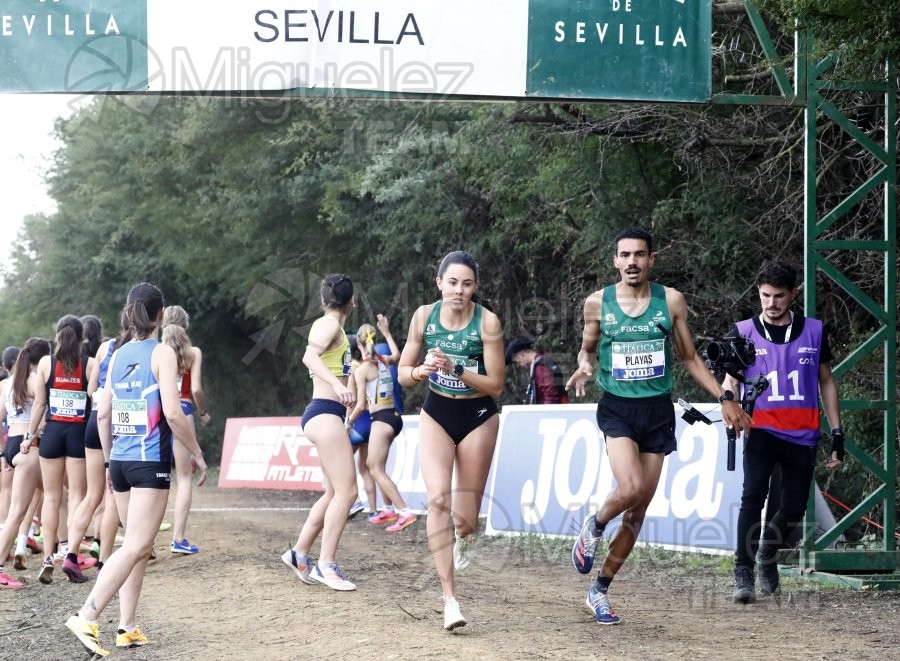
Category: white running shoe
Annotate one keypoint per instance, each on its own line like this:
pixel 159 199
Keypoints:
pixel 463 552
pixel 453 618
pixel 301 564
pixel 331 576
pixel 20 554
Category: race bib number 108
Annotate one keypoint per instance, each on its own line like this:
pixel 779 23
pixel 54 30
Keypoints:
pixel 129 417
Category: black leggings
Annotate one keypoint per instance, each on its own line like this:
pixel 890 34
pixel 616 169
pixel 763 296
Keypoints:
pixel 762 451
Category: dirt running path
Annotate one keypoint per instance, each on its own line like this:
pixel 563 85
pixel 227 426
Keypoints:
pixel 236 600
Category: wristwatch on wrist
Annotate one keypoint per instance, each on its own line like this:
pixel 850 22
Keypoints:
pixel 458 369
pixel 726 396
pixel 29 436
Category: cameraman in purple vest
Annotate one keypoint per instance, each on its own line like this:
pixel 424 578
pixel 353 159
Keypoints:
pixel 792 352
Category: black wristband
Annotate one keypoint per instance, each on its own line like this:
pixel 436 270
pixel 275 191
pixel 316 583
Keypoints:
pixel 837 443
pixel 726 396
pixel 105 464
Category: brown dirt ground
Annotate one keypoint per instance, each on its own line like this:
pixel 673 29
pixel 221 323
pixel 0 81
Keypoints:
pixel 236 600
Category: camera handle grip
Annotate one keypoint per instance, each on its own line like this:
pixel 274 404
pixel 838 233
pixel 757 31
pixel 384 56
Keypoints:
pixel 731 435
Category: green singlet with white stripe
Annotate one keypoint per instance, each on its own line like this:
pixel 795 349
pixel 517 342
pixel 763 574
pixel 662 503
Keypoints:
pixel 464 347
pixel 635 356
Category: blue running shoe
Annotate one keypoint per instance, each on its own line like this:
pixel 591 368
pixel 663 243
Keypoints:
pixel 357 507
pixel 586 545
pixel 598 603
pixel 184 547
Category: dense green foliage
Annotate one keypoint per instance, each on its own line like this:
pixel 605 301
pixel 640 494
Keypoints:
pixel 236 208
pixel 863 33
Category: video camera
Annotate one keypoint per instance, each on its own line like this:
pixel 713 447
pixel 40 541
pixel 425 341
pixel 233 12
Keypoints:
pixel 728 355
pixel 731 355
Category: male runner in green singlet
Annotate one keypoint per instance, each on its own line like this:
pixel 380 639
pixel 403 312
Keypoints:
pixel 635 322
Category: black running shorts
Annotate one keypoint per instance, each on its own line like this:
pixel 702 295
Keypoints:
pixel 648 421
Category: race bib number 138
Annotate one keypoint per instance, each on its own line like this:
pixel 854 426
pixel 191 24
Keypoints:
pixel 67 403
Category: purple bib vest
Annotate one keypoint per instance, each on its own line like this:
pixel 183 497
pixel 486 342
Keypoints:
pixel 789 408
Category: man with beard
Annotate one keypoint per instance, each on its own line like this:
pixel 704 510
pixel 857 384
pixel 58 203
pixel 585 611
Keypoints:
pixel 635 322
pixel 795 356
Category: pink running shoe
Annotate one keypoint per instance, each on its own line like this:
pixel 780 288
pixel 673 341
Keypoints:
pixel 402 523
pixel 9 583
pixel 34 546
pixel 85 562
pixel 383 517
pixel 73 571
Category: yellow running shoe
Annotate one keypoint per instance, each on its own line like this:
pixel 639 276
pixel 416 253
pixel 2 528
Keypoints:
pixel 130 638
pixel 87 634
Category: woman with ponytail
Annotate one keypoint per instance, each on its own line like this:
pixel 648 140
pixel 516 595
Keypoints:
pixel 327 357
pixel 93 335
pixel 64 397
pixel 9 360
pixel 80 519
pixel 458 425
pixel 190 391
pixel 17 406
pixel 139 418
pixel 376 390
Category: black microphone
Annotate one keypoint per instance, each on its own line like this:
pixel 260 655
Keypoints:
pixel 731 435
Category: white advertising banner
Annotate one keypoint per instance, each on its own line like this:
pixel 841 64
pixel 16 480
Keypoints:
pixel 550 469
pixel 468 47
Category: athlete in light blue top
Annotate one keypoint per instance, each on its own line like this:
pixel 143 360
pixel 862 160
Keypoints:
pixel 140 407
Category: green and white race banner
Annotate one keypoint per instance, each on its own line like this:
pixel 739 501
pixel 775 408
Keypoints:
pixel 578 49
